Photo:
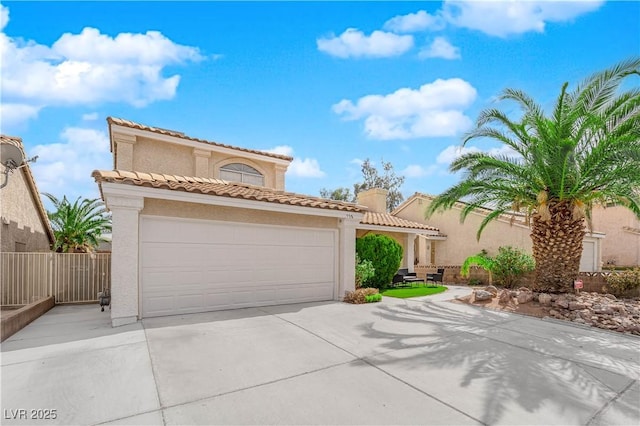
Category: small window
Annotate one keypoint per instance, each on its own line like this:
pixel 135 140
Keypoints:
pixel 21 247
pixel 237 172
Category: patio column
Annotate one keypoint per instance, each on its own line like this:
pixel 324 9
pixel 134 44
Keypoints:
pixel 409 251
pixel 347 260
pixel 125 211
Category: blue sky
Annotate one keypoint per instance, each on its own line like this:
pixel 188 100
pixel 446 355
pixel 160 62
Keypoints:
pixel 330 83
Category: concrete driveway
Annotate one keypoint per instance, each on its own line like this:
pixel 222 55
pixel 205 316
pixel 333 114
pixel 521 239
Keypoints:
pixel 397 362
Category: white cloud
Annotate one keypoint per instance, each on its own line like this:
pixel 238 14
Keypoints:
pixel 354 43
pixel 414 22
pixel 90 68
pixel 281 150
pixel 90 116
pixel 357 161
pixel 433 110
pixel 13 114
pixel 417 171
pixel 452 152
pixel 64 168
pixel 440 48
pixel 307 168
pixel 506 17
pixel 299 167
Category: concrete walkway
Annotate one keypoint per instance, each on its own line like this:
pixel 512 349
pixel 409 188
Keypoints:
pixel 419 361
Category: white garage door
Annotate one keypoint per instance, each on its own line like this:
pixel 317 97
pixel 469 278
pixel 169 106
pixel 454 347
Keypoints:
pixel 190 266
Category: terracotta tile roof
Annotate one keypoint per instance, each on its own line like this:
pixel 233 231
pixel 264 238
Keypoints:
pixel 386 219
pixel 220 188
pixel 134 125
pixel 31 182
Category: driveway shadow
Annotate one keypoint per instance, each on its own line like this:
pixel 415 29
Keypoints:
pixel 499 369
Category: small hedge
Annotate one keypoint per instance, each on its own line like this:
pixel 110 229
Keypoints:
pixel 384 253
pixel 363 295
pixel 620 283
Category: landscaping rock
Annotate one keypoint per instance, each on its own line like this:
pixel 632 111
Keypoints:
pixel 524 297
pixel 576 306
pixel 505 297
pixel 545 299
pixel 561 303
pixel 482 295
pixel 492 289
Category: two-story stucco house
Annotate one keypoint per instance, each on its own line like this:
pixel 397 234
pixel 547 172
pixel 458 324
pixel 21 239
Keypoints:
pixel 201 226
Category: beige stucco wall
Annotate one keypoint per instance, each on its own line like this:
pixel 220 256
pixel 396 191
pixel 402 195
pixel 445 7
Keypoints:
pixel 145 154
pixel 20 221
pixel 461 238
pixel 155 207
pixel 162 157
pixel 621 247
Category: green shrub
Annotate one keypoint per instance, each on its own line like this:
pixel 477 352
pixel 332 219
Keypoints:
pixel 373 298
pixel 360 295
pixel 384 253
pixel 364 271
pixel 475 281
pixel 621 282
pixel 510 264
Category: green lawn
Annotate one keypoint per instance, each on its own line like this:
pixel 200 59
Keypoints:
pixel 404 293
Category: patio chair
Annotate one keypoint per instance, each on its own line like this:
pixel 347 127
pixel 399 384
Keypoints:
pixel 436 277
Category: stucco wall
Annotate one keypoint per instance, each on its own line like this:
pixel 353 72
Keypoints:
pixel 149 155
pixel 20 219
pixel 621 247
pixel 461 238
pixel 162 157
pixel 155 207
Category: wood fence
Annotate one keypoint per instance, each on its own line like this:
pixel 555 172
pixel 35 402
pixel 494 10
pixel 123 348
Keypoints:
pixel 68 277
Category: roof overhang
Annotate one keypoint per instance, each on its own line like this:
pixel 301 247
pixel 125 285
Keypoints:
pixel 423 232
pixel 124 190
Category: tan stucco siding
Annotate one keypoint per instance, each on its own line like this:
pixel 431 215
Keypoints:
pixel 620 247
pixel 20 222
pixel 159 157
pixel 461 237
pixel 155 207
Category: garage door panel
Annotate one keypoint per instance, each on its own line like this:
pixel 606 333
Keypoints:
pixel 196 266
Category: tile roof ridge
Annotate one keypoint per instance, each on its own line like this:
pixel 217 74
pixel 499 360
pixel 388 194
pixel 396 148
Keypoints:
pixel 175 133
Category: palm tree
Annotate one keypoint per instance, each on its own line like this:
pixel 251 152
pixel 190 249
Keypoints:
pixel 585 152
pixel 78 227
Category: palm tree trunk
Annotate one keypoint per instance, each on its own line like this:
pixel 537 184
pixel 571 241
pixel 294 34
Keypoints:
pixel 557 248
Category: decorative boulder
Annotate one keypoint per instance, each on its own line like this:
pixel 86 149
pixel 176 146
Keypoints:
pixel 545 299
pixel 525 297
pixel 492 289
pixel 482 295
pixel 505 297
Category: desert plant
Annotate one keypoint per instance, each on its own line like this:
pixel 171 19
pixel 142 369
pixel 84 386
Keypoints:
pixel 482 260
pixel 510 264
pixel 620 283
pixel 557 166
pixel 384 253
pixel 78 227
pixel 364 271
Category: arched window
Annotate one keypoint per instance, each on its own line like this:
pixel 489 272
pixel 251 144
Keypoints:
pixel 238 172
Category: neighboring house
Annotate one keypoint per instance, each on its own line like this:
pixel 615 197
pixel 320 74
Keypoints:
pixel 412 235
pixel 622 228
pixel 24 224
pixel 201 226
pixel 461 239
